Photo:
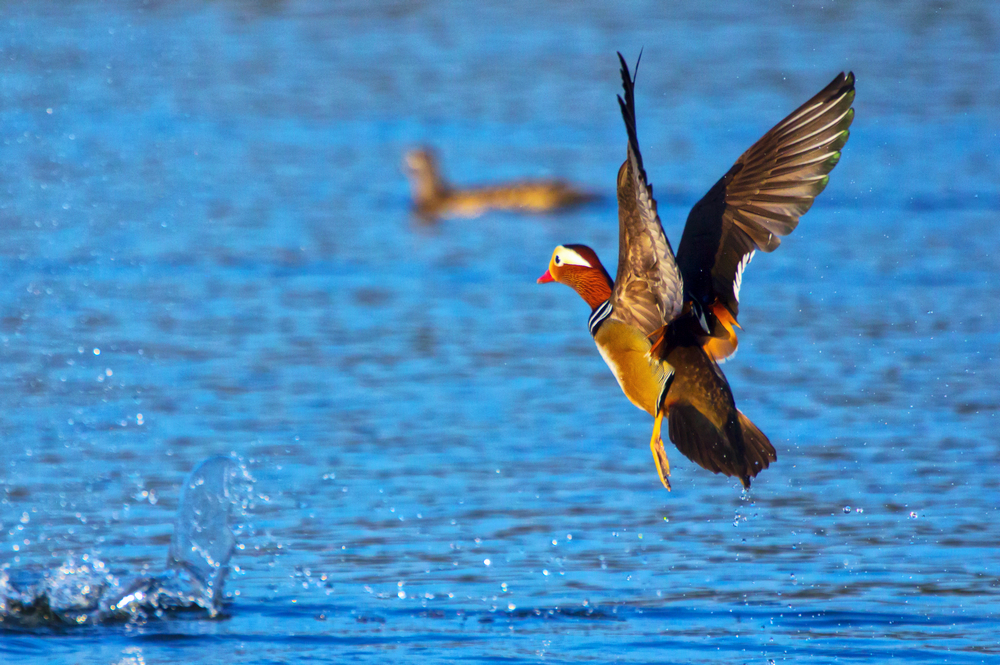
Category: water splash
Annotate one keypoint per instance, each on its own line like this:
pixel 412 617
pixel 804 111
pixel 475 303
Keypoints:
pixel 82 590
pixel 215 493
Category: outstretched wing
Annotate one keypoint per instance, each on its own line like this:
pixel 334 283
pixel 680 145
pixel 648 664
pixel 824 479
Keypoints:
pixel 762 197
pixel 648 289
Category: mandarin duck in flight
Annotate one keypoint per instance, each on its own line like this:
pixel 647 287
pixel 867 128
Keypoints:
pixel 434 198
pixel 665 322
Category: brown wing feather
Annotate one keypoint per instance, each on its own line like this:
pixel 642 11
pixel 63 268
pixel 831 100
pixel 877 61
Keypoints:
pixel 764 194
pixel 648 289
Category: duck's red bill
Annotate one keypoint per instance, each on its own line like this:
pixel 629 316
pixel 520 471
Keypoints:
pixel 547 277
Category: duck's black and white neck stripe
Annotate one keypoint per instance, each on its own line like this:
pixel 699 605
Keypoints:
pixel 597 317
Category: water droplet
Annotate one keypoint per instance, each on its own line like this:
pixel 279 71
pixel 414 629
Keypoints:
pixel 487 562
pixel 847 509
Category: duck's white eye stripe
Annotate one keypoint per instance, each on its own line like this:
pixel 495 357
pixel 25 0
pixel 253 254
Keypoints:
pixel 571 258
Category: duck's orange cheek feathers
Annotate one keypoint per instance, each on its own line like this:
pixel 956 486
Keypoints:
pixel 546 278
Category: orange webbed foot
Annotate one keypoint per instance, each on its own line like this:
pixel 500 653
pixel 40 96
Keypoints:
pixel 659 454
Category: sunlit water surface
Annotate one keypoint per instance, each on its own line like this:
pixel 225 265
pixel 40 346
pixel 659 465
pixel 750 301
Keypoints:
pixel 207 249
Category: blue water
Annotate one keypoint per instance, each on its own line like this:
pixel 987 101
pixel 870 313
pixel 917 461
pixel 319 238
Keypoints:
pixel 204 221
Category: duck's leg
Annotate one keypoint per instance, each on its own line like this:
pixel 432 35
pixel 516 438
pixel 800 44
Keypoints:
pixel 656 441
pixel 659 454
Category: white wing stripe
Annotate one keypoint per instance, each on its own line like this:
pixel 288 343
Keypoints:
pixel 738 282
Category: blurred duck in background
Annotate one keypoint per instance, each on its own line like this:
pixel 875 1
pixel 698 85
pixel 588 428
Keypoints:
pixel 665 322
pixel 433 198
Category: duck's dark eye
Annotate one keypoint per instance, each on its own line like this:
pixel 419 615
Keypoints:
pixel 558 260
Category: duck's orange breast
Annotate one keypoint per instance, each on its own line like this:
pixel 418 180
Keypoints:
pixel 626 351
